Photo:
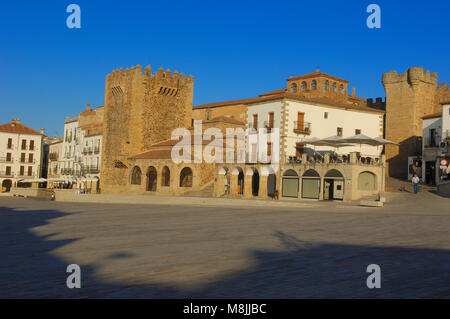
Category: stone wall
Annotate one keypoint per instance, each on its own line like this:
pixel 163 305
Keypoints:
pixel 409 97
pixel 140 109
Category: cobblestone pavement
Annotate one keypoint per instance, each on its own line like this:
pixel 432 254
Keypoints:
pixel 158 251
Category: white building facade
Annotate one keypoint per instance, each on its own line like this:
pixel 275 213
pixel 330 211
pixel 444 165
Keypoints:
pixel 299 121
pixel 436 146
pixel 20 154
pixel 71 161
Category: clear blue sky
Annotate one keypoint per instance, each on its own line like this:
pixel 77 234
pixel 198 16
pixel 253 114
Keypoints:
pixel 234 49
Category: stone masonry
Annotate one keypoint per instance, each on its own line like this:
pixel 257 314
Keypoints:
pixel 409 97
pixel 140 109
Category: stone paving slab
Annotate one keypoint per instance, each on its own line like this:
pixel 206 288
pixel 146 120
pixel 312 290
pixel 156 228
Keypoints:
pixel 192 251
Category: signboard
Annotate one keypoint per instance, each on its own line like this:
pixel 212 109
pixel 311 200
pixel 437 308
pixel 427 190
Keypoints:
pixel 444 162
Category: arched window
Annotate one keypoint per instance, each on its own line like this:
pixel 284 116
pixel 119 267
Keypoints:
pixel 327 85
pixel 165 178
pixel 311 173
pixel 303 86
pixel 334 87
pixel 293 87
pixel 136 176
pixel 334 173
pixel 341 88
pixel 313 85
pixel 186 177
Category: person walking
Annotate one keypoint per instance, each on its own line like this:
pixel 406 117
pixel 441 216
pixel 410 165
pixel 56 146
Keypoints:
pixel 415 180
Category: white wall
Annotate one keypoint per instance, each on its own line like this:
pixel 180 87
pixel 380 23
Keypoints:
pixel 16 152
pixel 370 124
pixel 446 119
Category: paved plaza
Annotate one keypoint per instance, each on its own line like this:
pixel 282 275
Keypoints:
pixel 315 250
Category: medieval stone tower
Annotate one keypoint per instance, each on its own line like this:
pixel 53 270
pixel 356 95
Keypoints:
pixel 409 97
pixel 140 109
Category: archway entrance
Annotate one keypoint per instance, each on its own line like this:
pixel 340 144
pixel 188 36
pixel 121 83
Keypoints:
pixel 186 177
pixel 255 183
pixel 271 185
pixel 6 185
pixel 333 185
pixel 311 184
pixel 151 179
pixel 240 180
pixel 290 184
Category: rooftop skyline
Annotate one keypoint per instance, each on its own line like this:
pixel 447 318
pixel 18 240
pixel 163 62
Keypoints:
pixel 234 50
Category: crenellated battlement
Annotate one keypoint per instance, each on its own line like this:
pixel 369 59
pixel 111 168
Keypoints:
pixel 165 78
pixel 443 92
pixel 378 104
pixel 413 76
pixel 141 108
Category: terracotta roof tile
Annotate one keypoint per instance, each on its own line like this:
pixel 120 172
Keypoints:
pixel 18 128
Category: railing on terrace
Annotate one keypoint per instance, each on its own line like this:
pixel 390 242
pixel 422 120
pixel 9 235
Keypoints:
pixel 302 127
pixel 6 159
pixel 318 158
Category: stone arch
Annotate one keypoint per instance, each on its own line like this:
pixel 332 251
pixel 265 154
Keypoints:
pixel 152 178
pixel 367 181
pixel 290 184
pixel 240 179
pixel 334 173
pixel 7 184
pixel 290 172
pixel 255 182
pixel 186 177
pixel 311 184
pixel 165 176
pixel 136 174
pixel 311 173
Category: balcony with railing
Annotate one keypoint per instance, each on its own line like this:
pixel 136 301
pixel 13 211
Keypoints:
pixel 6 174
pixel 302 127
pixel 27 160
pixel 96 150
pixel 53 156
pixel 252 128
pixel 92 169
pixel 6 159
pixel 66 171
pixel 268 125
pixel 27 174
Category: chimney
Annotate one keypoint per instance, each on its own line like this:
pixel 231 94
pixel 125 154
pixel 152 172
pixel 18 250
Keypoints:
pixel 17 120
pixel 13 122
pixel 42 131
pixel 353 91
pixel 88 106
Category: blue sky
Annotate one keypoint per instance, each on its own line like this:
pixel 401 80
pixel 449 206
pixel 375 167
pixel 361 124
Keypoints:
pixel 234 49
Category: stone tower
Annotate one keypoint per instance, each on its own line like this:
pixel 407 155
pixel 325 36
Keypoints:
pixel 409 96
pixel 140 109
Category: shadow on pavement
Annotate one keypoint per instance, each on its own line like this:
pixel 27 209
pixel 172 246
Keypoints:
pixel 28 269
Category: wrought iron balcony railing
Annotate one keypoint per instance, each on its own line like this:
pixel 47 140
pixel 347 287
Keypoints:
pixel 302 127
